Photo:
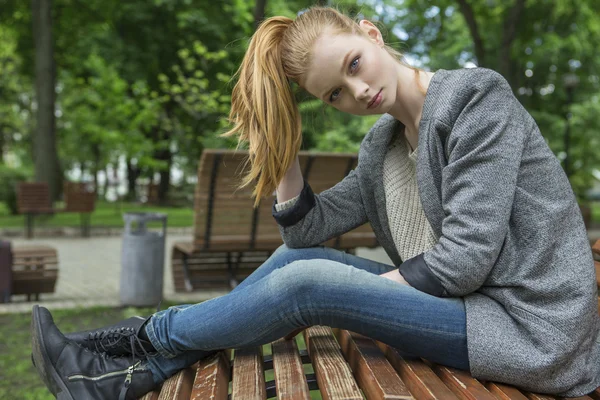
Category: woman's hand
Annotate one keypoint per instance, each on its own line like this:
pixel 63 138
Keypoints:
pixel 395 276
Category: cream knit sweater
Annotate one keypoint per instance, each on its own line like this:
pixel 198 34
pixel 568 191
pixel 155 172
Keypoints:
pixel 409 227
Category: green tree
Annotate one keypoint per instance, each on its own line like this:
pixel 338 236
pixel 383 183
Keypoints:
pixel 533 43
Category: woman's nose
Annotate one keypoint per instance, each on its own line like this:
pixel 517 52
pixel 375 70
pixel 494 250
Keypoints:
pixel 360 90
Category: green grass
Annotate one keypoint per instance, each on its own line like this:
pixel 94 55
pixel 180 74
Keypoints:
pixel 105 215
pixel 19 379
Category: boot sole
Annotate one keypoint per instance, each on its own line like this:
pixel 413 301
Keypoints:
pixel 42 362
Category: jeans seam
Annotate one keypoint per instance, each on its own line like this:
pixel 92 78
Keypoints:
pixel 155 342
pixel 342 312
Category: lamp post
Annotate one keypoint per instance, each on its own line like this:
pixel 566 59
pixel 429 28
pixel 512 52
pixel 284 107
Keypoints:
pixel 570 81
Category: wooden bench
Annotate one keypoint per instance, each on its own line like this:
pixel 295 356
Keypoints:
pixel 152 193
pixel 34 270
pixel 339 364
pixel 231 238
pixel 80 198
pixel 33 198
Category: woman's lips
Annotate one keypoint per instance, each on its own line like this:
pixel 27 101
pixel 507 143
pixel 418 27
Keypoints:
pixel 376 101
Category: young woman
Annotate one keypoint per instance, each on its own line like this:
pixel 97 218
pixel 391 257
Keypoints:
pixel 493 270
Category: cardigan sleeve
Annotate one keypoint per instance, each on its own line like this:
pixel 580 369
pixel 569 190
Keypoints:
pixel 478 184
pixel 316 218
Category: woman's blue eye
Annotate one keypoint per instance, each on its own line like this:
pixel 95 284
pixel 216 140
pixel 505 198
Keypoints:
pixel 335 94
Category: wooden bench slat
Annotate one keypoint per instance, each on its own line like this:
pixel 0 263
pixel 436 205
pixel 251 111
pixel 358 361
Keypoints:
pixel 373 372
pixel 185 247
pixel 462 384
pixel 212 378
pixel 421 381
pixel 179 386
pixel 596 248
pixel 37 262
pixel 331 369
pixel 35 274
pixel 535 396
pixel 25 250
pixel 289 372
pixel 151 395
pixel 248 375
pixel 595 395
pixel 505 392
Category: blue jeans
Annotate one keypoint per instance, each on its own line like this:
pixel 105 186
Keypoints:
pixel 314 286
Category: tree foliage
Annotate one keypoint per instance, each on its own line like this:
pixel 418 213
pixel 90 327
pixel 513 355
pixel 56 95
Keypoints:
pixel 148 82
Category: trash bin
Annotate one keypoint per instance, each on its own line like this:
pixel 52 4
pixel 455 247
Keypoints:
pixel 142 260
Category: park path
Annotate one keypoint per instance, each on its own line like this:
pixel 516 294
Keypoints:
pixel 90 269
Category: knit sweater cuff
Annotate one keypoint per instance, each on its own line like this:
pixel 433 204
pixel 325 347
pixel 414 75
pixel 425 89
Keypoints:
pixel 418 275
pixel 286 204
pixel 294 214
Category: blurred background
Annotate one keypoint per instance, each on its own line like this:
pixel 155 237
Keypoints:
pixel 126 94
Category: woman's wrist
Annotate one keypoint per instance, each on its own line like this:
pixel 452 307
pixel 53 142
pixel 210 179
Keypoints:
pixel 396 277
pixel 292 183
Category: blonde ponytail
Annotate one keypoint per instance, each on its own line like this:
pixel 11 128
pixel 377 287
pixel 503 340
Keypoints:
pixel 264 111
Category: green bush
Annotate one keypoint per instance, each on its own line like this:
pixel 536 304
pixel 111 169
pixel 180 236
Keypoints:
pixel 9 177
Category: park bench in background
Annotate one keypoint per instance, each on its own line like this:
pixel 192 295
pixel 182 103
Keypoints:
pixel 28 270
pixel 152 194
pixel 80 198
pixel 33 198
pixel 231 238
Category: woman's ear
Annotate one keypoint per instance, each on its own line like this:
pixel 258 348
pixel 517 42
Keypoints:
pixel 371 30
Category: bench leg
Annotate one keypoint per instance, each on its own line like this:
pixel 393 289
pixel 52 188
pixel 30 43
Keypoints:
pixel 29 226
pixel 85 224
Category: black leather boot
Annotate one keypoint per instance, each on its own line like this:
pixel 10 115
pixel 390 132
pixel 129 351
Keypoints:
pixel 72 372
pixel 123 338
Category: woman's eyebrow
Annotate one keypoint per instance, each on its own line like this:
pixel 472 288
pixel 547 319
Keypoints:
pixel 344 62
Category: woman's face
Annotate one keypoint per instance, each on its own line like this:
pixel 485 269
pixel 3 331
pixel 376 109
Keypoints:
pixel 353 73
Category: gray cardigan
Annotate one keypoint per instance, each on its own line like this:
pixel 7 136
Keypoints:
pixel 512 240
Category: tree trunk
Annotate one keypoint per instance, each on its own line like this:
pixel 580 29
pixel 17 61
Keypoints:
pixel 106 183
pixel 133 172
pixel 259 12
pixel 511 23
pixel 96 167
pixel 469 15
pixel 47 168
pixel 162 152
pixel 165 177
